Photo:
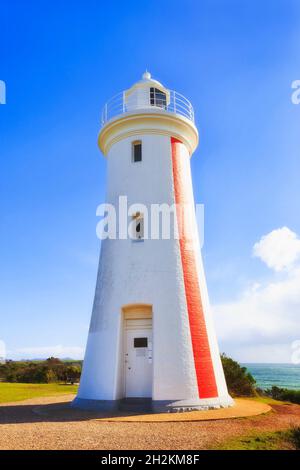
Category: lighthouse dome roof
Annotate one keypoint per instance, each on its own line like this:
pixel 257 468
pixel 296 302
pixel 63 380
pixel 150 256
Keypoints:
pixel 148 106
pixel 146 82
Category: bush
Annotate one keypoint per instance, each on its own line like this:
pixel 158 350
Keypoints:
pixel 51 376
pixel 284 394
pixel 239 381
pixel 51 370
pixel 295 437
pixel 72 374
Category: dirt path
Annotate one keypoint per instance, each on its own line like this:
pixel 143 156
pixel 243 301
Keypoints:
pixel 48 423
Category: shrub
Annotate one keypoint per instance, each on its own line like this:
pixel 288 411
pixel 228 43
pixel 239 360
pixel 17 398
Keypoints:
pixel 72 374
pixel 239 381
pixel 51 376
pixel 295 437
pixel 51 370
pixel 284 394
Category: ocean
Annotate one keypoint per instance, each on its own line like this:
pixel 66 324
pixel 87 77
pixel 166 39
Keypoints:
pixel 281 375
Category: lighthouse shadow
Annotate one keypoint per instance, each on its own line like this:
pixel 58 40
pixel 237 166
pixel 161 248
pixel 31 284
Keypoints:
pixel 52 412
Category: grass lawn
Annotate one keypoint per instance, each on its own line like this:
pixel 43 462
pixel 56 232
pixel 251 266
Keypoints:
pixel 279 440
pixel 19 391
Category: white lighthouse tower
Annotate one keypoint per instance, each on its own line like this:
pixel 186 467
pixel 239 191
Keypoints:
pixel 151 335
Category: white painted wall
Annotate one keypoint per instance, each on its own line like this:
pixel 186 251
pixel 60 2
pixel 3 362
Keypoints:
pixel 147 272
pixel 140 272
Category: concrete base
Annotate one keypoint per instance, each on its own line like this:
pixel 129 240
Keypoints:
pixel 157 406
pixel 95 405
pixel 242 408
pixel 192 404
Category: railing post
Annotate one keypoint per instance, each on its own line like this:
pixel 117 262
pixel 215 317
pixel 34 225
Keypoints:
pixel 174 98
pixel 123 99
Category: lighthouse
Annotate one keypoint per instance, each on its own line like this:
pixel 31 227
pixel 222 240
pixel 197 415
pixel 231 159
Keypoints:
pixel 151 337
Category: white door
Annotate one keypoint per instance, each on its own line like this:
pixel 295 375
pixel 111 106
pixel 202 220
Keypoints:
pixel 138 359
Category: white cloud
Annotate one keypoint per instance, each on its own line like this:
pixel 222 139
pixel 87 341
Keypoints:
pixel 279 249
pixel 74 352
pixel 2 351
pixel 264 320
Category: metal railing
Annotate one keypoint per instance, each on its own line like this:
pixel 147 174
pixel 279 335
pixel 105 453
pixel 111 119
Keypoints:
pixel 176 103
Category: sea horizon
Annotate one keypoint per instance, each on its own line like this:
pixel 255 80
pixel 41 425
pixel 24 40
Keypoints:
pixel 279 374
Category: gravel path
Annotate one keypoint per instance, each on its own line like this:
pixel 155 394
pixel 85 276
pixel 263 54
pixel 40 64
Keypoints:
pixel 47 423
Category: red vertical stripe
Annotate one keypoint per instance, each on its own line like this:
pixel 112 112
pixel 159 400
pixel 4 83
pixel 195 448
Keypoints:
pixel 207 387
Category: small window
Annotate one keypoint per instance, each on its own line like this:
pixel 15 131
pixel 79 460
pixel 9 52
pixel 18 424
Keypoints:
pixel 140 342
pixel 137 151
pixel 138 226
pixel 158 98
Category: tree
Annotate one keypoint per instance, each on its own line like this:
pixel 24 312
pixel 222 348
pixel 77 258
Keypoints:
pixel 239 381
pixel 50 376
pixel 72 374
pixel 53 361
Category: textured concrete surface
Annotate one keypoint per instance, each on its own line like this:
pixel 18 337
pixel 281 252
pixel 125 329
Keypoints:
pixel 242 408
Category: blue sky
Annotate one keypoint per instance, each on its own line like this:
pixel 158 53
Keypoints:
pixel 235 60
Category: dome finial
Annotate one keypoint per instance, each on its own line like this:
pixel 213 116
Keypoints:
pixel 146 75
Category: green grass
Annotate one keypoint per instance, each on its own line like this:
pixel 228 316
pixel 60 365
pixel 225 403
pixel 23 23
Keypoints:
pixel 279 440
pixel 269 400
pixel 20 391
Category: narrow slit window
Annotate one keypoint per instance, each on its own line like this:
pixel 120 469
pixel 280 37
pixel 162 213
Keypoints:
pixel 138 226
pixel 158 98
pixel 137 151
